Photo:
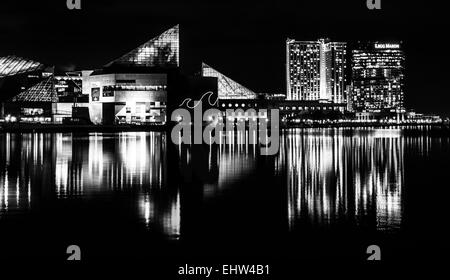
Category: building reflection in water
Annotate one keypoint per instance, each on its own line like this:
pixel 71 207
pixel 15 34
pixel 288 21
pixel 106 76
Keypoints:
pixel 335 175
pixel 85 166
pixel 39 168
pixel 218 167
pixel 22 157
pixel 96 162
pixel 237 159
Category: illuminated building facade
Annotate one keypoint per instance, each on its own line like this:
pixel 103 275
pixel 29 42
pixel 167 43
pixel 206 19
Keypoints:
pixel 227 88
pixel 34 104
pixel 127 98
pixel 133 88
pixel 18 76
pixel 68 87
pixel 43 103
pixel 378 77
pixel 315 70
pixel 41 92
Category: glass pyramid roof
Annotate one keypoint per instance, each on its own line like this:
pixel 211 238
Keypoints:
pixel 41 92
pixel 13 65
pixel 162 51
pixel 228 89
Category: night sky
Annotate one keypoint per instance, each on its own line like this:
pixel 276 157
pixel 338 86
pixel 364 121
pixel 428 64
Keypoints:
pixel 243 39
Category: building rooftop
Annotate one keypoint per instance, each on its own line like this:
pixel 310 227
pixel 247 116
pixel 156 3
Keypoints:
pixel 228 88
pixel 41 92
pixel 162 51
pixel 14 65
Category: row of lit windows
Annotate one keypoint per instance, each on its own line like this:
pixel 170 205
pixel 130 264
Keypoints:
pixel 294 108
pixel 144 109
pixel 109 91
pixel 136 88
pixel 237 105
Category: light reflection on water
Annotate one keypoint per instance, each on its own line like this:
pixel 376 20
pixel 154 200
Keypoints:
pixel 218 167
pixel 332 175
pixel 336 177
pixel 66 166
pixel 91 164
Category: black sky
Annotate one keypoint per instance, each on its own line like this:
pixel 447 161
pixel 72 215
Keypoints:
pixel 244 39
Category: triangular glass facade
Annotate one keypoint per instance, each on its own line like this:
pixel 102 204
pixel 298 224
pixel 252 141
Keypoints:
pixel 228 89
pixel 41 92
pixel 162 52
pixel 13 65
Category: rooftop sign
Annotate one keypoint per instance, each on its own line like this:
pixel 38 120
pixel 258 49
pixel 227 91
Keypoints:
pixel 387 46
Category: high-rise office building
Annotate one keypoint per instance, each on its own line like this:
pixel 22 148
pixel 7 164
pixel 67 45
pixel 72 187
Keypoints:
pixel 378 77
pixel 316 70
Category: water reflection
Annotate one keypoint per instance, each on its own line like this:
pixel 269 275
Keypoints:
pixel 96 163
pixel 333 176
pixel 85 166
pixel 18 165
pixel 217 168
pixel 339 176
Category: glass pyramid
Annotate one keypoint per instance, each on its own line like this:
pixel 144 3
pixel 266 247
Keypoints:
pixel 162 51
pixel 13 65
pixel 41 92
pixel 228 89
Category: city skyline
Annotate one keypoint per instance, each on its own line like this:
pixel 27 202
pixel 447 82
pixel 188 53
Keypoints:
pixel 136 87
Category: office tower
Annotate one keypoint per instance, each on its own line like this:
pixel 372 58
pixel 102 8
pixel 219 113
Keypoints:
pixel 316 70
pixel 378 77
